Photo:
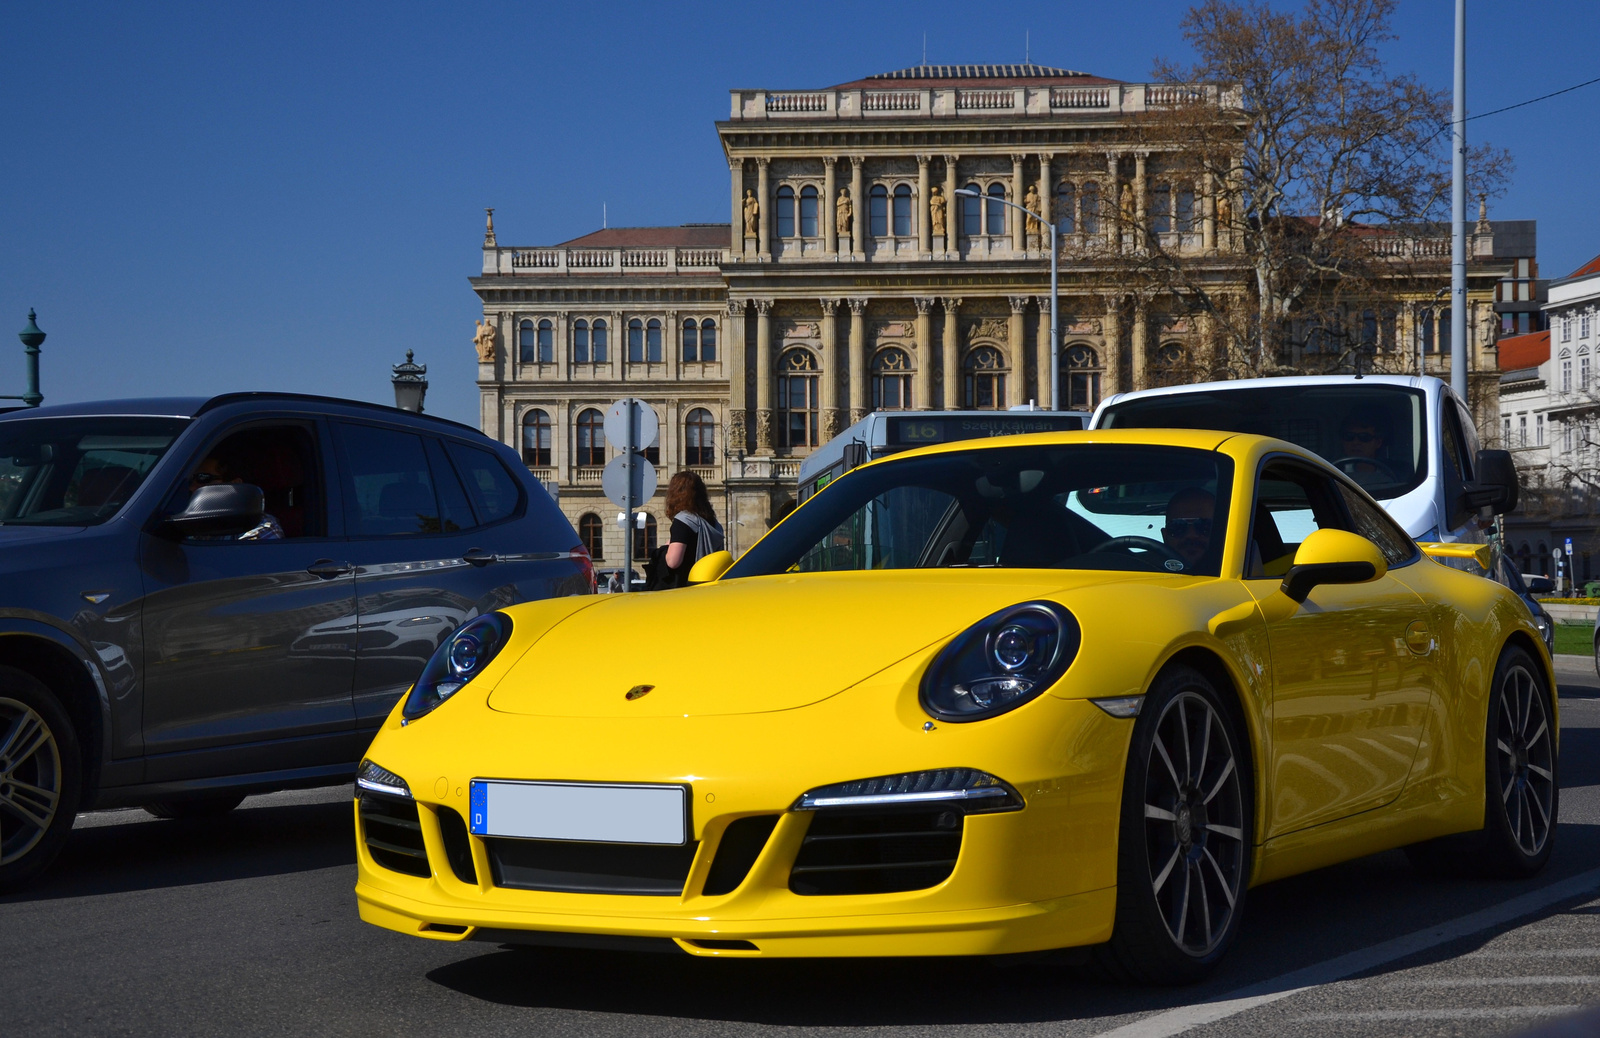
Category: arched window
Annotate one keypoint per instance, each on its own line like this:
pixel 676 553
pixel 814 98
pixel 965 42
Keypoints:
pixel 536 438
pixel 902 210
pixel 652 341
pixel 580 342
pixel 591 532
pixel 797 398
pixel 1066 207
pixel 700 438
pixel 644 541
pixel 1425 331
pixel 598 350
pixel 708 339
pixel 635 341
pixel 985 379
pixel 591 438
pixel 1161 209
pixel 1083 378
pixel 808 212
pixel 1183 208
pixel 878 211
pixel 691 339
pixel 995 222
pixel 527 343
pixel 786 212
pixel 1089 208
pixel 547 343
pixel 891 380
pixel 971 220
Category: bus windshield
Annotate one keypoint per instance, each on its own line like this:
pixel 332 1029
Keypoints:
pixel 1080 506
pixel 1376 434
pixel 76 471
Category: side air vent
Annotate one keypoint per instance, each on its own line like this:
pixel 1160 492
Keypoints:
pixel 854 851
pixel 457 845
pixel 737 851
pixel 393 834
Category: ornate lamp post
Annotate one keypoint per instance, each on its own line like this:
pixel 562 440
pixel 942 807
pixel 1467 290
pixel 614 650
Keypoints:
pixel 32 338
pixel 1055 301
pixel 410 384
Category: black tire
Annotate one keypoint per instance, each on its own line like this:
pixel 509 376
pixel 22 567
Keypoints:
pixel 41 777
pixel 211 805
pixel 1521 783
pixel 1183 851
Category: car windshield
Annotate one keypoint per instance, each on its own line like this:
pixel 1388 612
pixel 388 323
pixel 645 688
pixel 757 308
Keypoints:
pixel 1078 506
pixel 1374 433
pixel 76 471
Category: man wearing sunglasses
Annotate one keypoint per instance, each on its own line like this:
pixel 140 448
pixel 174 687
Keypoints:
pixel 217 470
pixel 1360 436
pixel 1188 529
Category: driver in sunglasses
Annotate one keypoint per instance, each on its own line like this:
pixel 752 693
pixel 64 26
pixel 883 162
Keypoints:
pixel 1188 529
pixel 1360 436
pixel 217 470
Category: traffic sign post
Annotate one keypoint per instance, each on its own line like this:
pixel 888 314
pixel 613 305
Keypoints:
pixel 629 479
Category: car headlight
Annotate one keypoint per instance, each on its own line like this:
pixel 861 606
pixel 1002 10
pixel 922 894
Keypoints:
pixel 377 779
pixel 462 657
pixel 1001 662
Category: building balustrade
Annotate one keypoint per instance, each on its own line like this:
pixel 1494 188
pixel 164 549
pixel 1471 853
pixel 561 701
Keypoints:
pixel 507 260
pixel 588 475
pixel 953 102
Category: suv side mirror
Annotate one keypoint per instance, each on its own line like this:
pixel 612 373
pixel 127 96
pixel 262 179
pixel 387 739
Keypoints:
pixel 1496 487
pixel 711 567
pixel 219 509
pixel 1538 585
pixel 1332 557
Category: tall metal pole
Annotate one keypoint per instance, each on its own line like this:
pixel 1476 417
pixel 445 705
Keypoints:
pixel 32 338
pixel 1458 213
pixel 632 464
pixel 1055 343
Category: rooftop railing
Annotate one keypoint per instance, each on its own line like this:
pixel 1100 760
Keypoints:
pixel 562 260
pixel 899 102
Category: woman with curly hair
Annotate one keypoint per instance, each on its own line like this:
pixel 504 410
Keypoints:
pixel 695 530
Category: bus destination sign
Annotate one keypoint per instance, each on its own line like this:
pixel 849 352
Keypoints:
pixel 912 431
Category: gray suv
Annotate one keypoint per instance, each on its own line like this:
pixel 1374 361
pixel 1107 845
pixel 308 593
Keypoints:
pixel 203 599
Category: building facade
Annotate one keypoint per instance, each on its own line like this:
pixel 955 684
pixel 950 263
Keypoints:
pixel 870 262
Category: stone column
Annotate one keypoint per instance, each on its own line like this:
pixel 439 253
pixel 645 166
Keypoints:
pixel 951 201
pixel 922 395
pixel 924 228
pixel 1041 351
pixel 736 170
pixel 763 373
pixel 1141 343
pixel 1142 231
pixel 563 346
pixel 1019 223
pixel 1111 347
pixel 858 360
pixel 952 354
pixel 733 347
pixel 617 346
pixel 1047 193
pixel 764 217
pixel 1111 201
pixel 1019 366
pixel 671 344
pixel 1207 346
pixel 1208 218
pixel 830 199
pixel 830 370
pixel 858 210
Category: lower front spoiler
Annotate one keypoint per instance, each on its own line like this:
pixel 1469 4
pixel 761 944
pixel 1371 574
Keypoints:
pixel 1065 922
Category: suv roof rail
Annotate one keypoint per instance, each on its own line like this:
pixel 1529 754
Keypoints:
pixel 311 398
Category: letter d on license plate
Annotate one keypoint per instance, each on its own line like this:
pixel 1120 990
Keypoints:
pixel 587 811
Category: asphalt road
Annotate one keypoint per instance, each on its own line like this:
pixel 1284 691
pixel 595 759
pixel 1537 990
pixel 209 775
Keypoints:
pixel 248 927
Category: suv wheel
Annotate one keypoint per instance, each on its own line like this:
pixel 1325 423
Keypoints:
pixel 40 777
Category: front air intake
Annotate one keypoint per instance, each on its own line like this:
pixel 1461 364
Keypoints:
pixel 856 851
pixel 393 833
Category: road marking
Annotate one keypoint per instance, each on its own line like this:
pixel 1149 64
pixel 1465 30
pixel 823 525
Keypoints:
pixel 1473 982
pixel 1494 1013
pixel 1537 953
pixel 1184 1018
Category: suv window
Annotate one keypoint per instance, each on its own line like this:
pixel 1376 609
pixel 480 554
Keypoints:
pixel 453 506
pixel 494 492
pixel 281 460
pixel 76 471
pixel 389 486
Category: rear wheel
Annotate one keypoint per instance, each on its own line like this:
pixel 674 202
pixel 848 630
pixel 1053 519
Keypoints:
pixel 40 777
pixel 196 807
pixel 1183 854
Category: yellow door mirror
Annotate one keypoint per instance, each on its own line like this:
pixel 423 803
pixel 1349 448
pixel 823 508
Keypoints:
pixel 711 567
pixel 1333 557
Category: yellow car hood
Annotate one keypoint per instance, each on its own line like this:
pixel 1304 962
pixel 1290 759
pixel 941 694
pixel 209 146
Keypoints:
pixel 755 644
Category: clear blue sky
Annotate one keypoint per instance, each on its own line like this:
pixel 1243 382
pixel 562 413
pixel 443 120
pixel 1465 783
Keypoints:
pixel 207 197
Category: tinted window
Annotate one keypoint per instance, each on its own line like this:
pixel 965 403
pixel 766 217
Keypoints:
pixel 76 471
pixel 389 484
pixel 1375 525
pixel 453 506
pixel 495 494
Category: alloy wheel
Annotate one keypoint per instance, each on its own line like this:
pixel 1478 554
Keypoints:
pixel 30 779
pixel 1194 823
pixel 1524 756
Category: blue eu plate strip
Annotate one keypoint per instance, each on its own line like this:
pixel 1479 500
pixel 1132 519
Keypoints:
pixel 479 805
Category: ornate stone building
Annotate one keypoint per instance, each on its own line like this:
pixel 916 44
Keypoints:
pixel 852 276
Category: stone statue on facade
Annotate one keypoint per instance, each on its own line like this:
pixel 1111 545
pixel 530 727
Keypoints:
pixel 936 208
pixel 1125 204
pixel 1224 212
pixel 1031 203
pixel 752 213
pixel 843 211
pixel 484 340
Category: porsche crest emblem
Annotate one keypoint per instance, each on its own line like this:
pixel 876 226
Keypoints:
pixel 638 691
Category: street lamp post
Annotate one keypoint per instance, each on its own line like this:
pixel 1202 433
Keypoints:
pixel 32 338
pixel 1055 349
pixel 410 384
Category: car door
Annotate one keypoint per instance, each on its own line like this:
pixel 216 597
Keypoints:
pixel 248 650
pixel 429 555
pixel 1350 693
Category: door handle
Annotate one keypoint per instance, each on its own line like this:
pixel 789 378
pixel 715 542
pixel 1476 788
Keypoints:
pixel 479 557
pixel 327 569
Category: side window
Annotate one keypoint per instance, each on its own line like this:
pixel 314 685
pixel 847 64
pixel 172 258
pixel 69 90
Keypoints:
pixel 1292 501
pixel 494 493
pixel 1469 440
pixel 1455 451
pixel 454 510
pixel 390 487
pixel 1372 523
pixel 280 459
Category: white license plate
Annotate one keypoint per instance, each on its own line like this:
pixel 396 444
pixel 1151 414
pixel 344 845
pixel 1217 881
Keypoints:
pixel 588 811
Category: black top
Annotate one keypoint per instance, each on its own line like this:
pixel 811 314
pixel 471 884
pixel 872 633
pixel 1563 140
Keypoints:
pixel 684 533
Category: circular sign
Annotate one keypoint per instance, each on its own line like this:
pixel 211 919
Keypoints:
pixel 646 426
pixel 614 481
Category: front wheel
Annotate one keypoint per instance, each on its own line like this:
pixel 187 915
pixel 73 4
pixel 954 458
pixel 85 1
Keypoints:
pixel 1520 792
pixel 40 777
pixel 1183 853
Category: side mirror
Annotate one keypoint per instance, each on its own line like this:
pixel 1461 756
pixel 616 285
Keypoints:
pixel 711 567
pixel 1537 584
pixel 1497 486
pixel 218 510
pixel 1332 557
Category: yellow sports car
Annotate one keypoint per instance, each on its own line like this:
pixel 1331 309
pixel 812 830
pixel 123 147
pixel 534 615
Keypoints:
pixel 1044 691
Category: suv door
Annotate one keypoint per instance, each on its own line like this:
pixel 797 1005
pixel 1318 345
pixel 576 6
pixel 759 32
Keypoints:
pixel 248 649
pixel 432 551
